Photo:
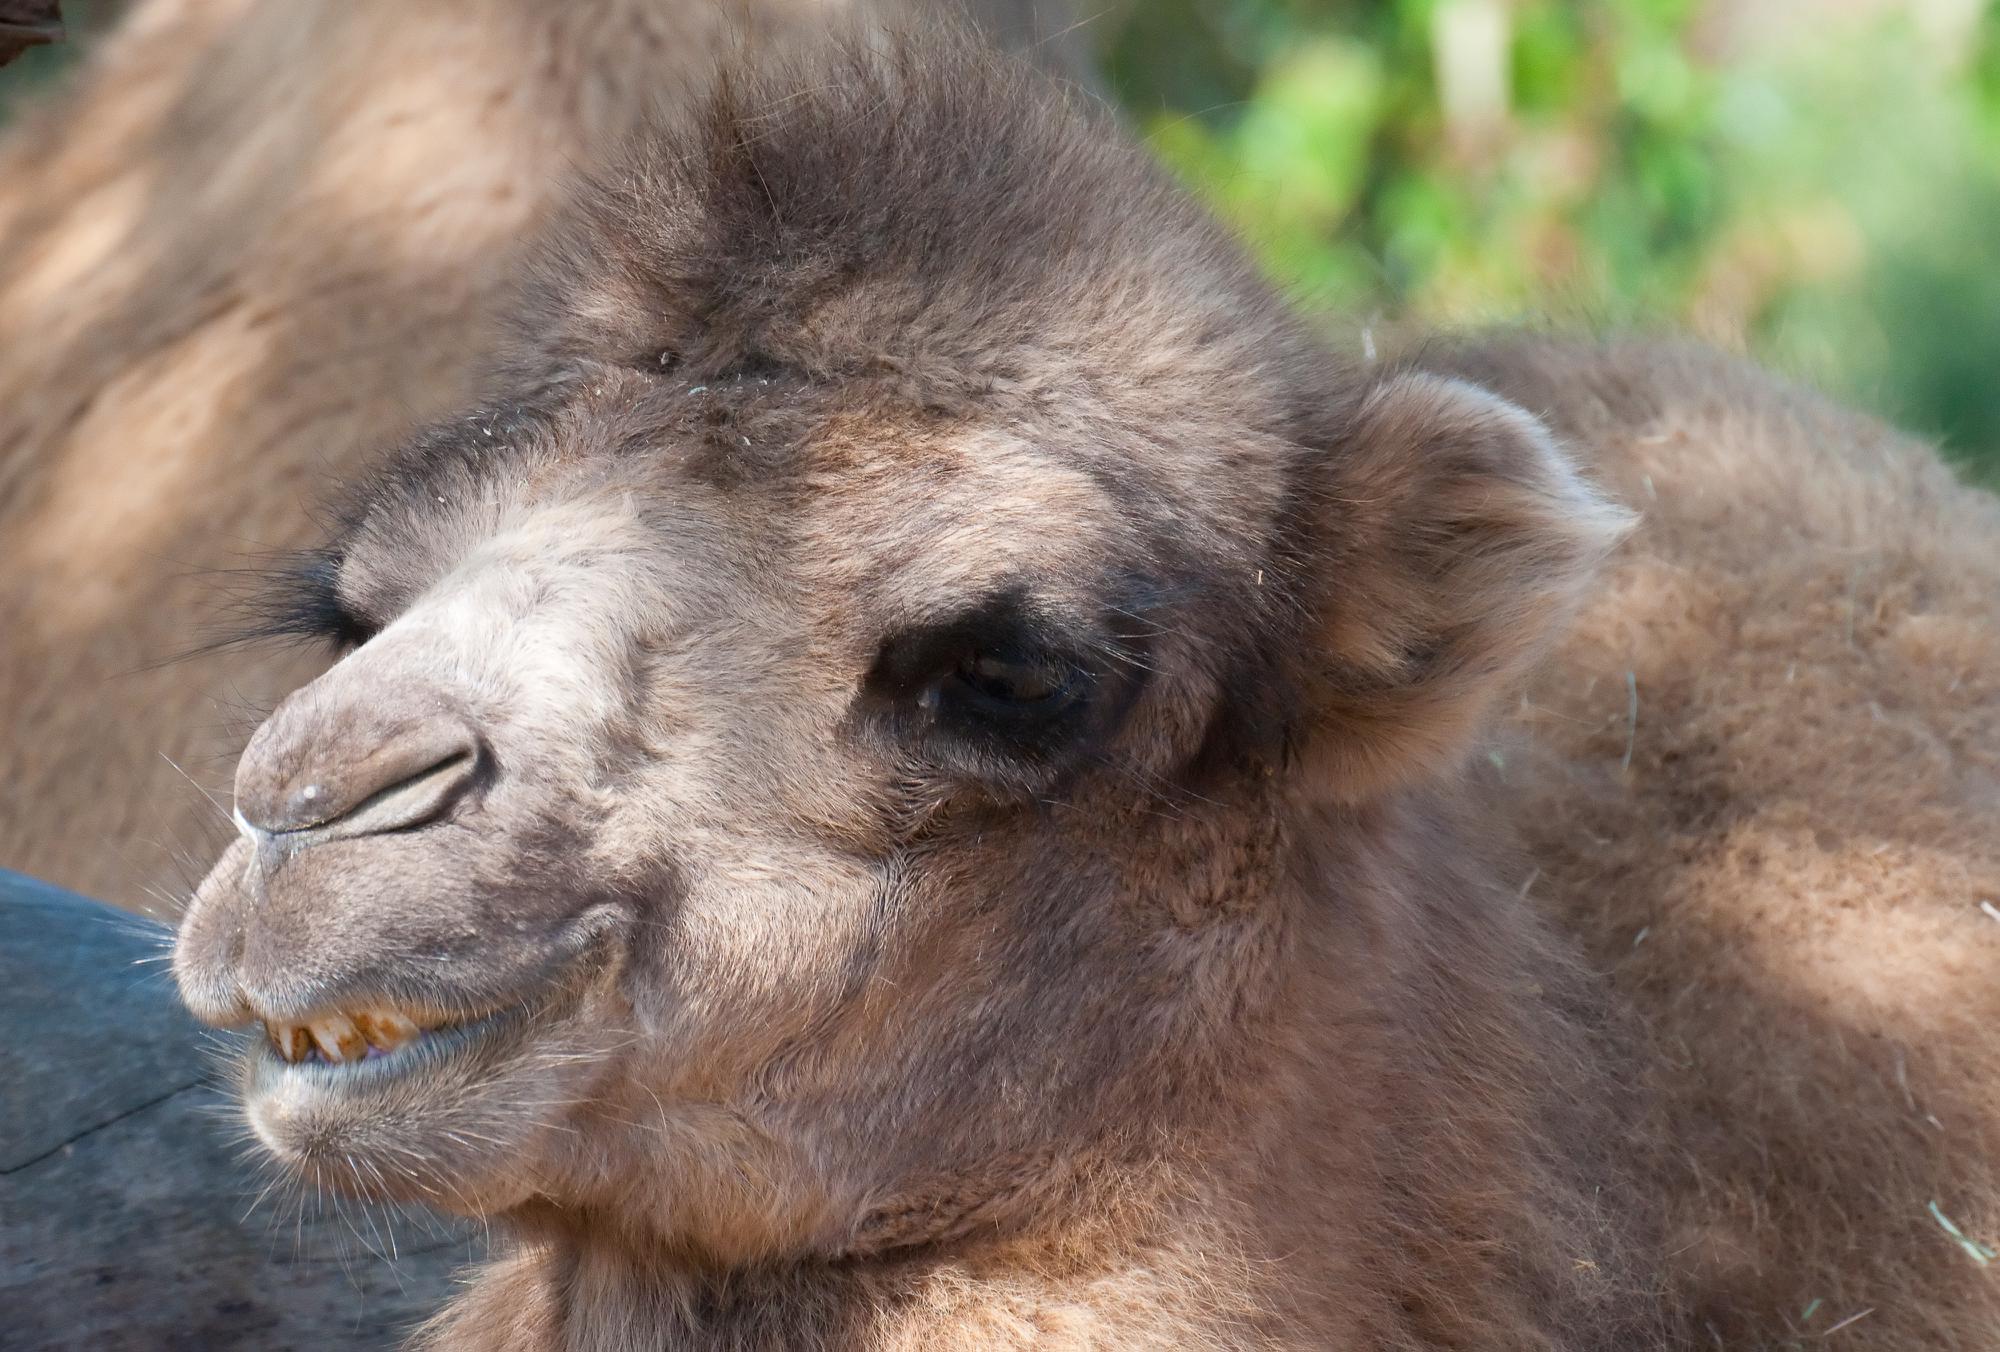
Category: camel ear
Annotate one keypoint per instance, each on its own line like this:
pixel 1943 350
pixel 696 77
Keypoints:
pixel 1457 539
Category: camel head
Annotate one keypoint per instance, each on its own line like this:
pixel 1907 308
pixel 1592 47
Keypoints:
pixel 837 752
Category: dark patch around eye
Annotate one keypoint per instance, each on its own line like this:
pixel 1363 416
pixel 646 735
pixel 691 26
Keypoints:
pixel 1001 687
pixel 910 661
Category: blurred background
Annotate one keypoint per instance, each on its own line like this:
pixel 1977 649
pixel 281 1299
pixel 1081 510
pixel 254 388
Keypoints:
pixel 1813 181
pixel 1816 182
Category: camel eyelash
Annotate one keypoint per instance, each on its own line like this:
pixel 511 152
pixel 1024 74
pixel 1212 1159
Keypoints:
pixel 302 601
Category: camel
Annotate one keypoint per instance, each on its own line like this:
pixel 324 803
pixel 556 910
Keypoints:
pixel 929 766
pixel 249 242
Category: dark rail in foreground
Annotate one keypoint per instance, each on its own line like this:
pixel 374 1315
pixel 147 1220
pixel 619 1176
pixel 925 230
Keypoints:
pixel 127 1218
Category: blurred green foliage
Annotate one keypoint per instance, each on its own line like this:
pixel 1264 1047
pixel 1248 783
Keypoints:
pixel 1815 181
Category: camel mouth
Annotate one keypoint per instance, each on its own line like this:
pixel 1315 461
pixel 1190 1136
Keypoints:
pixel 368 1045
pixel 342 1037
pixel 369 1037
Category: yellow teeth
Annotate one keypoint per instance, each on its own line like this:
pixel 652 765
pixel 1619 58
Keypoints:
pixel 343 1037
pixel 292 1042
pixel 337 1038
pixel 385 1029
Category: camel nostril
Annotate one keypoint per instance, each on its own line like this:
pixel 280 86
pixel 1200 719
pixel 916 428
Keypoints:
pixel 411 801
pixel 315 773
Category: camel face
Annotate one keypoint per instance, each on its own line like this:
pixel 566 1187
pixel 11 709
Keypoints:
pixel 818 763
pixel 669 767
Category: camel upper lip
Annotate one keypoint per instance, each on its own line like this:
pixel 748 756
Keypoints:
pixel 350 1026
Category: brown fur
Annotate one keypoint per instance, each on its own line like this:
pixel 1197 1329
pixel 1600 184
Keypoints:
pixel 1786 880
pixel 253 240
pixel 1227 1012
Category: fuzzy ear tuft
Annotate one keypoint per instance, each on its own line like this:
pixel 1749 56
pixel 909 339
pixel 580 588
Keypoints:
pixel 1457 538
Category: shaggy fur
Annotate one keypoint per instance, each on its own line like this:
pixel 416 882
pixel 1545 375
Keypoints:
pixel 1779 858
pixel 250 242
pixel 1274 987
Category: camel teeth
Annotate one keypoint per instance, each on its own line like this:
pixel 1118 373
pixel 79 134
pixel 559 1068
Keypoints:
pixel 291 1040
pixel 385 1029
pixel 344 1036
pixel 337 1038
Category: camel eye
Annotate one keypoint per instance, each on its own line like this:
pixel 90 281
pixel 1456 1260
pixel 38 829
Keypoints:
pixel 300 600
pixel 1016 685
pixel 996 685
pixel 320 611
